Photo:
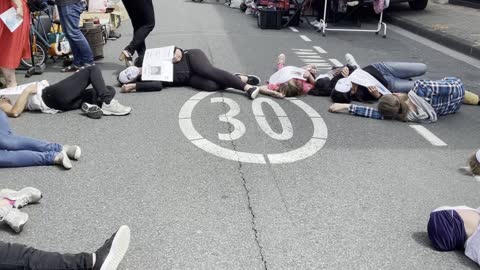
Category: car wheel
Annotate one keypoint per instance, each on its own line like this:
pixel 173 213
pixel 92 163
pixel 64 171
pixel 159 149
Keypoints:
pixel 418 4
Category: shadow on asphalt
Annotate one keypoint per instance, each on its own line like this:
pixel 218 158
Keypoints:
pixel 422 239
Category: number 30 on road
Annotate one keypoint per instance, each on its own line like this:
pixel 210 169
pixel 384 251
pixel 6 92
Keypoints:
pixel 315 143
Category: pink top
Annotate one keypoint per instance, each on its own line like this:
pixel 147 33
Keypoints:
pixel 304 85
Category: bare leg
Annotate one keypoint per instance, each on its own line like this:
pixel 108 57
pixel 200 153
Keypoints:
pixel 10 78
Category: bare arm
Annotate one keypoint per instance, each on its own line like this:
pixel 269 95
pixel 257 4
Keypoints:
pixel 265 91
pixel 17 109
pixel 18 4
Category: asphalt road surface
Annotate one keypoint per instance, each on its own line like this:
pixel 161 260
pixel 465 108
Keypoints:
pixel 286 185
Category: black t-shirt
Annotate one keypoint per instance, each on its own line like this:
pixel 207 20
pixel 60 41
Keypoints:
pixel 362 92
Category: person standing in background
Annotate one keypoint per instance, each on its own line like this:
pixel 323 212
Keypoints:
pixel 14 45
pixel 69 12
pixel 143 21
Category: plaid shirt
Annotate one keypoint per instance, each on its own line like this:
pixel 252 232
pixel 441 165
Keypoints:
pixel 445 96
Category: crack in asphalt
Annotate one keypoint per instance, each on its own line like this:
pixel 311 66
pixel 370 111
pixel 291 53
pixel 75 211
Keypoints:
pixel 247 193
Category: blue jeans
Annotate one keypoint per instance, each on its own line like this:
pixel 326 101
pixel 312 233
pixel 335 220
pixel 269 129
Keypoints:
pixel 70 18
pixel 398 74
pixel 18 151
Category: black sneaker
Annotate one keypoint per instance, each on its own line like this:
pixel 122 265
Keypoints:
pixel 109 256
pixel 92 111
pixel 252 79
pixel 253 92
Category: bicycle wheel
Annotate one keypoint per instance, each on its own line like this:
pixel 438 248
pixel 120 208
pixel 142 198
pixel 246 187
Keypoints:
pixel 39 53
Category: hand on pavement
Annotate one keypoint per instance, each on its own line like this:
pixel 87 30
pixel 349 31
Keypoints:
pixel 338 107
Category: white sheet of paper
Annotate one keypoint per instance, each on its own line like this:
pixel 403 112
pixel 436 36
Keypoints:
pixel 15 90
pixel 10 19
pixel 157 64
pixel 287 73
pixel 364 78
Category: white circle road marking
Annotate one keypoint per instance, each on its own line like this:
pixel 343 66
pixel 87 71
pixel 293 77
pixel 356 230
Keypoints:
pixel 319 137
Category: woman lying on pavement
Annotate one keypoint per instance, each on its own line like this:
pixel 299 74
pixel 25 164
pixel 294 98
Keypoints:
pixel 384 77
pixel 291 81
pixel 19 151
pixel 68 94
pixel 452 228
pixel 423 104
pixel 191 68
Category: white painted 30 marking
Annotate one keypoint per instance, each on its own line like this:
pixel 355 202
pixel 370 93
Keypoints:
pixel 239 127
pixel 316 142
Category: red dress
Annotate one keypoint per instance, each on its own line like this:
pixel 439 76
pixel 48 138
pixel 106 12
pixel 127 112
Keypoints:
pixel 14 46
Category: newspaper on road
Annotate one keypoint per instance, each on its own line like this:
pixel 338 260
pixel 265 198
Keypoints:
pixel 363 78
pixel 157 64
pixel 287 73
pixel 11 20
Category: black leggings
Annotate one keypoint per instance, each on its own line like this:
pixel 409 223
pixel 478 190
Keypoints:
pixel 206 77
pixel 143 21
pixel 70 93
pixel 16 256
pixel 203 76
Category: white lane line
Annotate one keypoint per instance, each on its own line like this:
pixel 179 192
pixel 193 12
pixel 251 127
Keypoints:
pixel 305 38
pixel 305 53
pixel 303 50
pixel 310 56
pixel 294 29
pixel 319 49
pixel 428 135
pixel 313 60
pixel 336 63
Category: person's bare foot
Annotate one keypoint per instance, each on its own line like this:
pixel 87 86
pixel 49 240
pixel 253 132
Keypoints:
pixel 128 88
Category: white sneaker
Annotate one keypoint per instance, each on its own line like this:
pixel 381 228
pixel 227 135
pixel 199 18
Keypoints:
pixel 13 218
pixel 22 197
pixel 351 60
pixel 314 22
pixel 115 108
pixel 73 151
pixel 318 25
pixel 62 160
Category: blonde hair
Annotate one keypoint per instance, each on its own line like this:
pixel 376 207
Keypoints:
pixel 290 89
pixel 474 164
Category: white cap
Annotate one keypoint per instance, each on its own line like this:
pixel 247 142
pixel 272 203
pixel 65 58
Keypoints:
pixel 478 155
pixel 343 85
pixel 129 74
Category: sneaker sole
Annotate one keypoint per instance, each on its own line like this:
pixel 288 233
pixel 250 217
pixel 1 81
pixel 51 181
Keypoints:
pixel 255 93
pixel 97 114
pixel 116 114
pixel 119 248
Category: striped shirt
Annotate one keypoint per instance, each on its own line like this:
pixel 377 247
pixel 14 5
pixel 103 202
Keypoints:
pixel 444 95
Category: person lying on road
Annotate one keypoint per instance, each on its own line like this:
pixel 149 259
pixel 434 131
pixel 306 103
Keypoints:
pixel 19 151
pixel 68 94
pixel 191 68
pixel 456 228
pixel 380 78
pixel 423 104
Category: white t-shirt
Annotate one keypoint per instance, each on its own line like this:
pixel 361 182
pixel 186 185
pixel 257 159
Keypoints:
pixel 35 101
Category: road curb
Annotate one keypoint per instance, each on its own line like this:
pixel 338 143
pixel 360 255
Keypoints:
pixel 450 41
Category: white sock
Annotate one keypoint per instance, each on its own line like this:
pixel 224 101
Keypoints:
pixel 94 258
